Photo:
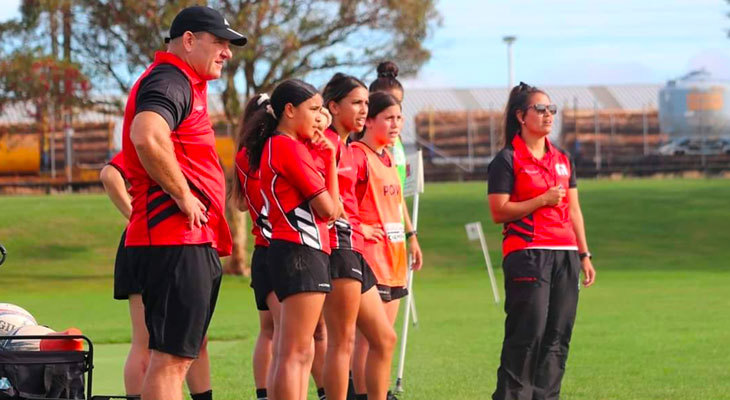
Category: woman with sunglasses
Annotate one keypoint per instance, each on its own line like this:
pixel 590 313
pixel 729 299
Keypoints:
pixel 532 191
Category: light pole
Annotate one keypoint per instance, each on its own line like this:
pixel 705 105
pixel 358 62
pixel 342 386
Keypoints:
pixel 509 40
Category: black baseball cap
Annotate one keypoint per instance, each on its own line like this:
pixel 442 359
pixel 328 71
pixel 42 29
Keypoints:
pixel 204 19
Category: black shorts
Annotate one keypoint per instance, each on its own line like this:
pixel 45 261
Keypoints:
pixel 260 280
pixel 125 280
pixel 296 268
pixel 390 293
pixel 179 289
pixel 351 264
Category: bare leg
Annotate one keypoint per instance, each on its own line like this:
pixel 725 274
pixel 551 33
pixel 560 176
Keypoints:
pixel 275 308
pixel 320 348
pixel 375 326
pixel 139 354
pixel 198 377
pixel 359 359
pixel 340 312
pixel 391 309
pixel 262 352
pixel 165 376
pixel 299 315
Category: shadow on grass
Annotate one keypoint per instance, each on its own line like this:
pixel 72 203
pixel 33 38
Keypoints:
pixel 46 251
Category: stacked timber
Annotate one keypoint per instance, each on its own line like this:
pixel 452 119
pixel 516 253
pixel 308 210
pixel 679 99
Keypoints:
pixel 450 133
pixel 620 134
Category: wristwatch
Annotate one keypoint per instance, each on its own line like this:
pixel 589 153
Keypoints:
pixel 584 255
pixel 411 233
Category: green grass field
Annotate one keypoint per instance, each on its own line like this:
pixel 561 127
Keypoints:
pixel 655 326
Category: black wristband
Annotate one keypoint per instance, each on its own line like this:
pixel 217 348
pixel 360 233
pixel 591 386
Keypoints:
pixel 411 233
pixel 584 255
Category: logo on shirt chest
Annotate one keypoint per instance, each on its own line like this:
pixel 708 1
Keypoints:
pixel 562 169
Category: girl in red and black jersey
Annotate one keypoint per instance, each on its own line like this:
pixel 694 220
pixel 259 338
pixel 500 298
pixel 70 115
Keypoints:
pixel 300 203
pixel 380 201
pixel 354 298
pixel 532 191
pixel 246 192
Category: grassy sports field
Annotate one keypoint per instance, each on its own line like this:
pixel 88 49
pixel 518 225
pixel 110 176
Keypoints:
pixel 655 326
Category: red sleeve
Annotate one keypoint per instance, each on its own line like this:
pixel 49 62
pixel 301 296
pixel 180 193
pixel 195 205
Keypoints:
pixel 118 162
pixel 294 162
pixel 361 163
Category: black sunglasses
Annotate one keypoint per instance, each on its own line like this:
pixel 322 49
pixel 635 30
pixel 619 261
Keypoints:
pixel 545 108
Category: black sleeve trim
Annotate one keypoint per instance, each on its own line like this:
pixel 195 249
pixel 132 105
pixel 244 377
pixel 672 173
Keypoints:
pixel 121 172
pixel 315 194
pixel 167 92
pixel 501 174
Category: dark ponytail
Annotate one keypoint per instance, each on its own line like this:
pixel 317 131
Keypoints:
pixel 519 99
pixel 379 101
pixel 387 78
pixel 255 127
pixel 262 115
pixel 339 87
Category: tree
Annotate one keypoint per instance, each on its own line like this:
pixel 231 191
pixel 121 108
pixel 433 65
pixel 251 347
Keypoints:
pixel 286 38
pixel 31 75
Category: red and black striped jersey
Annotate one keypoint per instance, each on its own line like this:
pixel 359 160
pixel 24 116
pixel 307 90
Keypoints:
pixel 289 180
pixel 515 171
pixel 260 227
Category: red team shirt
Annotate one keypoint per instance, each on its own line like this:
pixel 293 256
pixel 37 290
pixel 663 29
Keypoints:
pixel 250 183
pixel 289 179
pixel 515 171
pixel 345 234
pixel 156 220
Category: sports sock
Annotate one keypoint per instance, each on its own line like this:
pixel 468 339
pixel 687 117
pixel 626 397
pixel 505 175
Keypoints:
pixel 350 388
pixel 362 396
pixel 261 394
pixel 320 394
pixel 203 396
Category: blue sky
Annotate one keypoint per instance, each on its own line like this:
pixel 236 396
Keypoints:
pixel 569 42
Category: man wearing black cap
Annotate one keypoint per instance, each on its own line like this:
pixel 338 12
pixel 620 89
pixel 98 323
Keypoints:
pixel 177 230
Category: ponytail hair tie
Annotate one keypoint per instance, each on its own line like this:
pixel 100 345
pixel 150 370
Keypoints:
pixel 265 99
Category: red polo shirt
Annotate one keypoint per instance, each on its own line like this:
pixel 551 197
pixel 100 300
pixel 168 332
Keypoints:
pixel 156 220
pixel 289 180
pixel 517 172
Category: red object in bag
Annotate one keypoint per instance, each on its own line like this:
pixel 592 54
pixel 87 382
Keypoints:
pixel 63 344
